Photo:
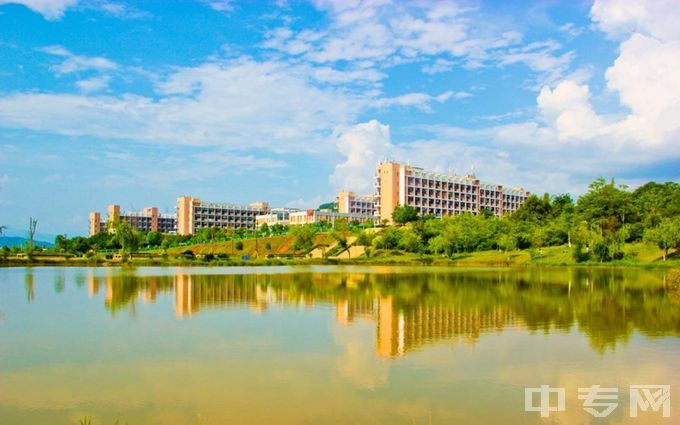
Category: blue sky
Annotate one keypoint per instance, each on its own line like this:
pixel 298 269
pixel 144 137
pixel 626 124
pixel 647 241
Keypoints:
pixel 137 103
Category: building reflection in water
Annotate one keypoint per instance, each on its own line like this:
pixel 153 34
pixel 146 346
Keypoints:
pixel 193 292
pixel 397 331
pixel 413 310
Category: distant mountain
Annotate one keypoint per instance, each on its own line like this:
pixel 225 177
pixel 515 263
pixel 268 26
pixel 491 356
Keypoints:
pixel 11 241
pixel 21 233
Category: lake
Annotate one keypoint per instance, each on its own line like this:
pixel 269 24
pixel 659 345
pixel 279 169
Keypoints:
pixel 331 345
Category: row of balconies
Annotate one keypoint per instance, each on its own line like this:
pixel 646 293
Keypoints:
pixel 213 211
pixel 230 219
pixel 444 198
pixel 449 188
pixel 443 204
pixel 421 181
pixel 439 194
pixel 223 217
pixel 202 224
pixel 440 201
pixel 445 211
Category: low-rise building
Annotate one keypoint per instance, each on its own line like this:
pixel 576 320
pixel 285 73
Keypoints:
pixel 318 216
pixel 275 216
pixel 146 220
pixel 349 202
pixel 194 214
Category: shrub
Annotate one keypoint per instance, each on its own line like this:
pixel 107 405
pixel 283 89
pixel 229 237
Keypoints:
pixel 188 254
pixel 268 246
pixel 602 252
pixel 579 255
pixel 209 257
pixel 238 245
pixel 535 254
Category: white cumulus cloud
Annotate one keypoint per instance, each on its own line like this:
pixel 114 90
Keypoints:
pixel 76 63
pixel 93 84
pixel 362 147
pixel 50 9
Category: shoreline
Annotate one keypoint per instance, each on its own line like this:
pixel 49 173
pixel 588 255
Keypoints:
pixel 425 262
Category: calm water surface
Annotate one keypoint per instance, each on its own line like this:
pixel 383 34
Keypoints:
pixel 329 345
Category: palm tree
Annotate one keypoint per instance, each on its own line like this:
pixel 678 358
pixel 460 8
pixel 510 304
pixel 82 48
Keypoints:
pixel 2 229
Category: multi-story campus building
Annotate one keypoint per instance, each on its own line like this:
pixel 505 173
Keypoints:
pixel 317 216
pixel 431 193
pixel 349 203
pixel 439 194
pixel 194 214
pixel 146 220
pixel 275 216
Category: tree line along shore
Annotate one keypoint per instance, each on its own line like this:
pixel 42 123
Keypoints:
pixel 609 225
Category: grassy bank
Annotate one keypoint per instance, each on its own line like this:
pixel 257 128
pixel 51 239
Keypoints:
pixel 279 252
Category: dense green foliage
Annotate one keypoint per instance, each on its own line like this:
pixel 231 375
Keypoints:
pixel 404 214
pixel 596 227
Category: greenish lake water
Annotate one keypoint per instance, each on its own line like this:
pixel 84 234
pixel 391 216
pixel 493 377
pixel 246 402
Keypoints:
pixel 330 345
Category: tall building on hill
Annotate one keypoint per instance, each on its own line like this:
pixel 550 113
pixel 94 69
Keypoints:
pixel 146 220
pixel 194 214
pixel 440 194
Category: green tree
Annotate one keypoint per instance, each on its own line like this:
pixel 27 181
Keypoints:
pixel 304 237
pixel 29 249
pixel 365 238
pixel 127 237
pixel 153 238
pixel 666 235
pixel 264 229
pixel 104 240
pixel 607 205
pixel 409 241
pixel 61 244
pixel 388 239
pixel 341 232
pixel 534 209
pixel 165 244
pixel 448 238
pixel 4 252
pixel 562 204
pixel 79 245
pixel 655 201
pixel 506 242
pixel 404 214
